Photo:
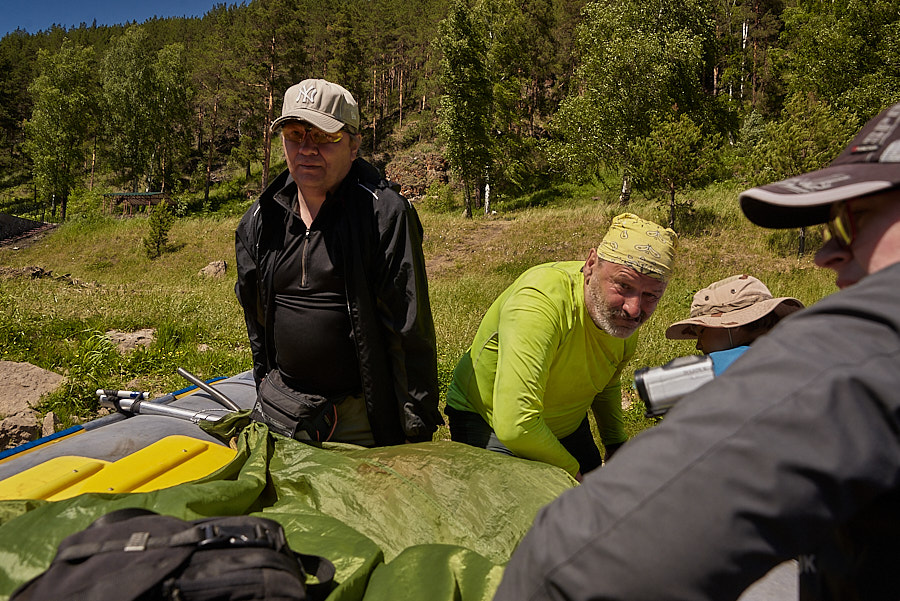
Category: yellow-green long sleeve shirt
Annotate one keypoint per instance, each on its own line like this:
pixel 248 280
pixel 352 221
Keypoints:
pixel 538 362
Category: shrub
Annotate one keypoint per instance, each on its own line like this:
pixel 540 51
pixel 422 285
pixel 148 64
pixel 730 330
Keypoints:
pixel 159 223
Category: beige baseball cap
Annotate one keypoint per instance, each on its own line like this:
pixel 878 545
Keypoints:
pixel 321 103
pixel 729 303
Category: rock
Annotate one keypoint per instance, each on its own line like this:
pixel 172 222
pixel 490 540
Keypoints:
pixel 49 425
pixel 21 387
pixel 18 429
pixel 417 171
pixel 128 341
pixel 216 269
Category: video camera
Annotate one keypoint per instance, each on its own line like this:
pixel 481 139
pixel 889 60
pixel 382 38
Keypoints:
pixel 661 387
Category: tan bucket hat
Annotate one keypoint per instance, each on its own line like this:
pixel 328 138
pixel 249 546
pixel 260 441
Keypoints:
pixel 729 303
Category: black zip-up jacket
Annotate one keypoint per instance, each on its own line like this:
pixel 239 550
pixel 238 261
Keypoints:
pixel 380 237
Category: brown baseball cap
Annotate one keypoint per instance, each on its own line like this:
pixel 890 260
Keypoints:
pixel 729 303
pixel 869 164
pixel 321 103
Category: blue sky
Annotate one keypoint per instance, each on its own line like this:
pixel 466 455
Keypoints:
pixel 38 15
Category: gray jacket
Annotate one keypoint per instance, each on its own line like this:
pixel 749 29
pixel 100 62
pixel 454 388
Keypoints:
pixel 792 453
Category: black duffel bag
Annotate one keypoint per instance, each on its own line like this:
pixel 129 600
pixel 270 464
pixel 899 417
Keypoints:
pixel 139 555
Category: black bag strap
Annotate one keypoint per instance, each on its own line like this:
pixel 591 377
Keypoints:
pixel 209 535
pixel 120 515
pixel 321 568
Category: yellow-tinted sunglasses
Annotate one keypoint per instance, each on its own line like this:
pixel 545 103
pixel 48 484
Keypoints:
pixel 298 132
pixel 842 226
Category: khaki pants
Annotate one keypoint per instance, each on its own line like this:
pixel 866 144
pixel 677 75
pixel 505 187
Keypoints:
pixel 353 422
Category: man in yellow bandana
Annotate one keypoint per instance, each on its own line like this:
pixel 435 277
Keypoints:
pixel 553 345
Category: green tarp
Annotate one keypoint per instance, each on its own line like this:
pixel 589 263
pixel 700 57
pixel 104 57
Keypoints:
pixel 430 521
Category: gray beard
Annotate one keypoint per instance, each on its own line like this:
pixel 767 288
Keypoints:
pixel 603 315
pixel 604 322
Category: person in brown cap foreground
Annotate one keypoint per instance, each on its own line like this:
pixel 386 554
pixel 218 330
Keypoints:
pixel 331 278
pixel 794 452
pixel 553 345
pixel 732 313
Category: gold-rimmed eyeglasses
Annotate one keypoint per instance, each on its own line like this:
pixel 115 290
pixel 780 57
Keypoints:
pixel 298 132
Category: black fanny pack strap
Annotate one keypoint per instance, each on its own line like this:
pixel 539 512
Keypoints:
pixel 295 414
pixel 319 567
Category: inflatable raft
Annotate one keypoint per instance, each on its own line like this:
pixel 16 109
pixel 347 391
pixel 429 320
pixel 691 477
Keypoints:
pixel 158 445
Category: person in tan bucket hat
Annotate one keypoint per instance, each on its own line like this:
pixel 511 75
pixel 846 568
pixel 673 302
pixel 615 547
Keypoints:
pixel 793 452
pixel 732 312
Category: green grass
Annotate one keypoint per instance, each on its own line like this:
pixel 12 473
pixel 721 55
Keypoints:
pixel 58 323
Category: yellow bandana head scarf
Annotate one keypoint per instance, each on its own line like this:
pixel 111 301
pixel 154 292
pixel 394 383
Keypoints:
pixel 640 244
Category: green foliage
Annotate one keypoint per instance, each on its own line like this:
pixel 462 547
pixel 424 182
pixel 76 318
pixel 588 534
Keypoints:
pixel 87 204
pixel 465 106
pixel 749 53
pixel 674 157
pixel 440 198
pixel 147 100
pixel 158 223
pixel 269 48
pixel 809 135
pixel 94 361
pixel 172 116
pixel 57 131
pixel 520 58
pixel 129 104
pixel 845 52
pixel 639 63
pixel 344 50
pixel 186 102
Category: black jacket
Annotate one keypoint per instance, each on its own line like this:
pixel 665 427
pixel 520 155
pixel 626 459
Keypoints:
pixel 380 237
pixel 794 452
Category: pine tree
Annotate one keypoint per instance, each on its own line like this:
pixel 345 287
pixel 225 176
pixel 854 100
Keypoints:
pixel 159 223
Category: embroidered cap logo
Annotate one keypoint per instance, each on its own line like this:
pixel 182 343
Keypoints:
pixel 307 94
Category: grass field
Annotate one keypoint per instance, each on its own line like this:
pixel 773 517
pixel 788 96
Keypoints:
pixel 101 280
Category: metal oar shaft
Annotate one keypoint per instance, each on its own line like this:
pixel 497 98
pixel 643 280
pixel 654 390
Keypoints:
pixel 148 408
pixel 215 394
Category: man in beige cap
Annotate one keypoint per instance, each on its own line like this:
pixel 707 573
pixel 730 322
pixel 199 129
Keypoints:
pixel 794 452
pixel 553 345
pixel 732 313
pixel 331 277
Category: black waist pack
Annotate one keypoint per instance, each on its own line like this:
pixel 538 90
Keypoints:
pixel 291 413
pixel 139 555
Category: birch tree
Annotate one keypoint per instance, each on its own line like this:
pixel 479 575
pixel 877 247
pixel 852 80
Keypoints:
pixel 638 63
pixel 57 132
pixel 466 98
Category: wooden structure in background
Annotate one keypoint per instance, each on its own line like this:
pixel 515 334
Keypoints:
pixel 133 201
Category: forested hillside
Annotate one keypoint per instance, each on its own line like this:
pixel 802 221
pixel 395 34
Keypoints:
pixel 670 95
